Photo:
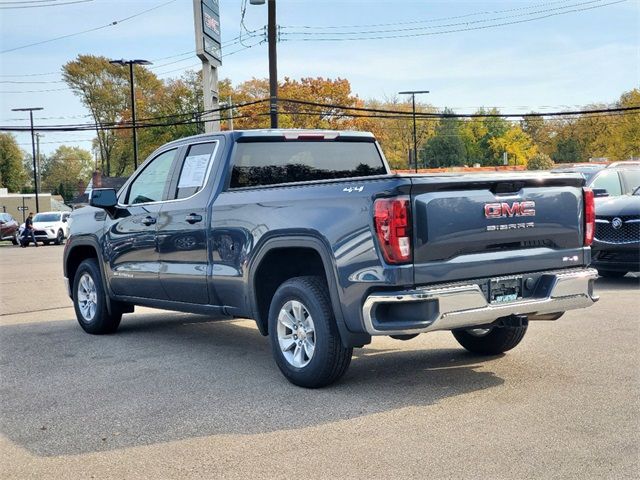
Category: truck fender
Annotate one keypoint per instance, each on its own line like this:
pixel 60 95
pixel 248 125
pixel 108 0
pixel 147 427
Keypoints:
pixel 319 245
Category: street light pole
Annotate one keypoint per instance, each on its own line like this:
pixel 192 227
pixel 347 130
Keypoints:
pixel 415 134
pixel 131 63
pixel 33 148
pixel 273 59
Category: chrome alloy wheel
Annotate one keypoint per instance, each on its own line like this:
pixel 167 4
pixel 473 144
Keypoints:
pixel 87 297
pixel 296 334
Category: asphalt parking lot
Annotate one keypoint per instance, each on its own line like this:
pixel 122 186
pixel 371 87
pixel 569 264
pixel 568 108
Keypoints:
pixel 184 396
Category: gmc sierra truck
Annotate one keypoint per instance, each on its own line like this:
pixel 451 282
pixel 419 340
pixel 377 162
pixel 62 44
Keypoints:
pixel 311 235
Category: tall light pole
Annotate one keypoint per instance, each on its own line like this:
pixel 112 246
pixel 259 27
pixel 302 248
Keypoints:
pixel 131 63
pixel 273 59
pixel 33 148
pixel 413 94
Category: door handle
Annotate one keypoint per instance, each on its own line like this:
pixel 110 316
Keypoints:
pixel 148 221
pixel 193 218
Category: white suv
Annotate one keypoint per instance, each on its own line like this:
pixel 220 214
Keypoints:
pixel 50 227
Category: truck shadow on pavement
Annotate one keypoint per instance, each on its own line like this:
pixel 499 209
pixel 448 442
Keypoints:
pixel 166 377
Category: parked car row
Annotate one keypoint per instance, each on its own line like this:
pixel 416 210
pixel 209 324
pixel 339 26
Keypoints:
pixel 49 227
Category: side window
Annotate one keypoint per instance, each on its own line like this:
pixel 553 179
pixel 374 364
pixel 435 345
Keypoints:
pixel 65 217
pixel 609 181
pixel 150 184
pixel 194 169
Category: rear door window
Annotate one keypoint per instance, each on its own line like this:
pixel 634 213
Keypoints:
pixel 268 163
pixel 194 169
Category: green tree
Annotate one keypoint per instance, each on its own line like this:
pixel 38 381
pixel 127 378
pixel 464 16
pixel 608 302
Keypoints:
pixel 516 143
pixel 446 148
pixel 13 176
pixel 66 167
pixel 568 150
pixel 540 161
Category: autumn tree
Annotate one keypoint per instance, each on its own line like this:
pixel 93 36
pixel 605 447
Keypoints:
pixel 540 131
pixel 103 88
pixel 66 167
pixel 12 173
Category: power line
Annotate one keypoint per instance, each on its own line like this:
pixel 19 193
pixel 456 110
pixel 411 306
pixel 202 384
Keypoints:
pixel 485 20
pixel 464 115
pixel 56 4
pixel 457 30
pixel 36 91
pixel 115 22
pixel 413 22
pixel 366 113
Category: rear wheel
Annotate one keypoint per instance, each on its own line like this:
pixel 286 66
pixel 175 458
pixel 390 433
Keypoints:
pixel 90 300
pixel 611 273
pixel 304 336
pixel 490 341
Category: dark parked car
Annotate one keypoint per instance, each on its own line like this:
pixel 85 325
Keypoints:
pixel 616 246
pixel 8 228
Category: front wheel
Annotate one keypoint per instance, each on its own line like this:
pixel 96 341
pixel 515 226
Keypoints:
pixel 304 336
pixel 90 300
pixel 490 341
pixel 59 237
pixel 15 239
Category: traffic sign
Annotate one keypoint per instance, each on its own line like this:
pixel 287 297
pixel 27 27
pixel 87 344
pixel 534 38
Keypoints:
pixel 22 209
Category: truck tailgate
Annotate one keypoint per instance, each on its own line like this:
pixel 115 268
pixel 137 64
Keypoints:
pixel 480 226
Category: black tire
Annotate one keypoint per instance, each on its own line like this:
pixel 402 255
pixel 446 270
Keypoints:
pixel 101 322
pixel 14 239
pixel 330 359
pixel 496 341
pixel 59 238
pixel 611 273
pixel 46 242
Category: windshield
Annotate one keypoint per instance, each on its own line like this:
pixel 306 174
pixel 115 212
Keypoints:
pixel 47 217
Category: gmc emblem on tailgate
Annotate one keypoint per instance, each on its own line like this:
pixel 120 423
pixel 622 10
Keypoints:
pixel 505 210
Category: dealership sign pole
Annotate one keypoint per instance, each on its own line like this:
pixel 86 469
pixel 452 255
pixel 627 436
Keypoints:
pixel 206 15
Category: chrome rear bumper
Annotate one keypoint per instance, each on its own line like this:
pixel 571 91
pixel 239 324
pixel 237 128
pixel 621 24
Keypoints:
pixel 465 306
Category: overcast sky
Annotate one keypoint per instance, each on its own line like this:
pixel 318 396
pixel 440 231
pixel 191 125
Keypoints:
pixel 546 55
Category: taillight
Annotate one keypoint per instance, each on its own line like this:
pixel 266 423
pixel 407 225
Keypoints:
pixel 393 228
pixel 589 216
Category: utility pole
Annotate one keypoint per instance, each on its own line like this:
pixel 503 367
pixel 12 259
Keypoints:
pixel 273 58
pixel 38 135
pixel 33 148
pixel 131 63
pixel 413 94
pixel 230 104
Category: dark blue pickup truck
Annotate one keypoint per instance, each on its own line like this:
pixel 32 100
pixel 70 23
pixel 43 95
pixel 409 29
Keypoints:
pixel 311 235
